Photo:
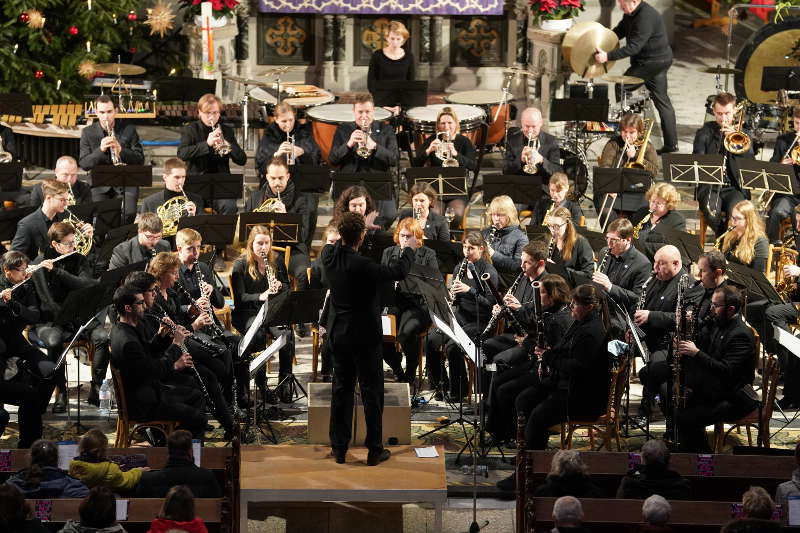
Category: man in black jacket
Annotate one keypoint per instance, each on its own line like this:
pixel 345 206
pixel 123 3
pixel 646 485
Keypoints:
pixel 67 171
pixel 653 476
pixel 107 141
pixel 647 45
pixel 303 150
pixel 718 372
pixel 179 470
pixel 783 206
pixel 174 180
pixel 544 153
pixel 356 334
pixel 144 246
pixel 31 235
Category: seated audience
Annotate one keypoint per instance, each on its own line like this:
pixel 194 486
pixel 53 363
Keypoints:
pixel 92 467
pixel 43 479
pixel 98 514
pixel 16 514
pixel 569 476
pixel 568 516
pixel 180 469
pixel 177 513
pixel 758 509
pixel 653 476
pixel 789 488
pixel 656 512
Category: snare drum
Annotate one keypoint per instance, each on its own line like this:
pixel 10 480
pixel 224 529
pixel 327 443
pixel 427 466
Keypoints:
pixel 326 118
pixel 490 102
pixel 422 120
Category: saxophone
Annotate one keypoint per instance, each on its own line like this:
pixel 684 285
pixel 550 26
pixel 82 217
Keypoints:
pixel 548 213
pixel 503 307
pixel 638 227
pixel 718 242
pixel 685 328
pixel 462 271
pixel 787 285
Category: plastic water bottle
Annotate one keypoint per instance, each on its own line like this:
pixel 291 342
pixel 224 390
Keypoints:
pixel 105 398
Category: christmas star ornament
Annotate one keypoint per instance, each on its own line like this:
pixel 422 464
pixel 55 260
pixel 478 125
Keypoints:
pixel 160 19
pixel 35 18
pixel 87 68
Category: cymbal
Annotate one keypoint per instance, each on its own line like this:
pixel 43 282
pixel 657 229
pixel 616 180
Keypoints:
pixel 572 36
pixel 279 70
pixel 582 56
pixel 722 71
pixel 517 71
pixel 623 80
pixel 120 69
pixel 245 81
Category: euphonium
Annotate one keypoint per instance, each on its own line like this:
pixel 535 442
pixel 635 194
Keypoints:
pixel 83 242
pixel 792 153
pixel 462 271
pixel 115 160
pixel 638 227
pixel 171 211
pixel 221 147
pixel 738 142
pixel 530 166
pixel 362 150
pixel 639 161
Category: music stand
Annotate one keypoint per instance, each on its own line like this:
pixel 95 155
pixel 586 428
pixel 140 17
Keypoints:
pixel 578 110
pixel 597 240
pixel 16 104
pixel 116 276
pixel 448 254
pixel 693 169
pixel 448 182
pixel 405 93
pixel 525 190
pixel 107 215
pixel 380 185
pixel 756 286
pixel 285 227
pixel 215 186
pixel 619 181
pixel 215 229
pixel 183 89
pixel 122 176
pixel 777 78
pixel 559 270
pixel 311 178
pixel 686 243
pixel 767 178
pixel 9 220
pixel 11 177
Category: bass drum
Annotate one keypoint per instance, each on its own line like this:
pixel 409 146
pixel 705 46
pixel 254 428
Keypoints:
pixel 771 46
pixel 576 170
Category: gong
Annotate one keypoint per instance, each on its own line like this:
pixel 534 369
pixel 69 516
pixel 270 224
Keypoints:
pixel 774 45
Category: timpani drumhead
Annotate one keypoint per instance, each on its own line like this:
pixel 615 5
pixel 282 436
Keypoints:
pixel 479 97
pixel 261 95
pixel 341 113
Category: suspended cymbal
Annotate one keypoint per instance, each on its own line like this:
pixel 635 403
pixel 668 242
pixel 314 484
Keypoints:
pixel 582 55
pixel 722 71
pixel 279 70
pixel 516 71
pixel 245 81
pixel 120 69
pixel 623 80
pixel 572 36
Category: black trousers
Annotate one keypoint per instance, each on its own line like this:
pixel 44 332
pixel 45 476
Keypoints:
pixel 221 364
pixel 410 323
pixel 361 362
pixel 187 378
pixel 26 393
pixel 259 342
pixel 782 207
pixel 780 315
pixel 542 408
pixel 53 337
pixel 504 351
pixel 185 405
pixel 721 202
pixel 655 79
pixel 506 386
pixel 654 375
pixel 131 198
pixel 692 420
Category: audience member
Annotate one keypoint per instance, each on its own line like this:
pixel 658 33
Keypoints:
pixel 653 476
pixel 98 514
pixel 656 512
pixel 789 488
pixel 43 480
pixel 758 508
pixel 15 512
pixel 751 525
pixel 179 470
pixel 569 476
pixel 568 516
pixel 92 467
pixel 177 513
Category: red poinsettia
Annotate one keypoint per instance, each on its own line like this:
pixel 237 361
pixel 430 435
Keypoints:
pixel 556 9
pixel 219 7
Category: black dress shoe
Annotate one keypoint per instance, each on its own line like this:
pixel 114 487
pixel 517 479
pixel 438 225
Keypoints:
pixel 667 150
pixel 508 484
pixel 339 455
pixel 94 395
pixel 373 458
pixel 60 405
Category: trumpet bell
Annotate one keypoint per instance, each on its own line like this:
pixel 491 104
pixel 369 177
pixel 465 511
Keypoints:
pixel 737 142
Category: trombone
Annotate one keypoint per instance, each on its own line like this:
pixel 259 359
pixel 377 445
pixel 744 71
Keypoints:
pixel 738 142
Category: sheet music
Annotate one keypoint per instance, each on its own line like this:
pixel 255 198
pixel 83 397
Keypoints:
pixel 787 340
pixel 267 354
pixel 254 327
pixel 386 325
pixel 457 334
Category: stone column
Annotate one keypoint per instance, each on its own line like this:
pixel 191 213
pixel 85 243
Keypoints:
pixel 328 53
pixel 242 44
pixel 342 59
pixel 425 48
pixel 545 61
pixel 437 59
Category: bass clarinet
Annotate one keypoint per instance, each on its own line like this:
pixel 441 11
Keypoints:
pixel 685 328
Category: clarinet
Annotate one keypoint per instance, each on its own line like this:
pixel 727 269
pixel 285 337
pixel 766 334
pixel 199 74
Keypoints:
pixel 639 307
pixel 493 320
pixel 462 271
pixel 551 249
pixel 601 265
pixel 211 347
pixel 216 331
pixel 515 325
pixel 541 370
pixel 217 328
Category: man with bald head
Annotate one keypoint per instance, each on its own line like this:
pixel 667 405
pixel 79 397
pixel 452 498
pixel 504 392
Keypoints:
pixel 544 152
pixel 66 171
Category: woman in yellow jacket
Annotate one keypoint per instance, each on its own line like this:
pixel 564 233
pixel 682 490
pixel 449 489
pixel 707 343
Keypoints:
pixel 92 467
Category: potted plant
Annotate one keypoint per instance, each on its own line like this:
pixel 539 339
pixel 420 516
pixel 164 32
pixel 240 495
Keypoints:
pixel 555 15
pixel 221 9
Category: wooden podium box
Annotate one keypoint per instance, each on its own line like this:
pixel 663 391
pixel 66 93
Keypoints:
pixel 396 414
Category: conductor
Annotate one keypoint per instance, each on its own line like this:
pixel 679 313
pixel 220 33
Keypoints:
pixel 356 334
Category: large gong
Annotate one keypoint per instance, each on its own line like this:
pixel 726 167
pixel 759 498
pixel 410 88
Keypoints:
pixel 774 45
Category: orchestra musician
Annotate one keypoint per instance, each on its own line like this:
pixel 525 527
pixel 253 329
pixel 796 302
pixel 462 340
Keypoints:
pixel 409 309
pixel 355 334
pixel 302 149
pixel 473 308
pixel 647 44
pixel 279 190
pixel 143 246
pixel 108 142
pixel 143 376
pixel 504 238
pixel 718 371
pixel 255 276
pixel 356 199
pixel 31 235
pixel 459 146
pixel 530 144
pixel 745 242
pixel 555 296
pixel 558 189
pixel 423 198
pixel 174 179
pixel 392 62
pixel 716 204
pixel 712 267
pixel 662 201
pixel 783 205
pixel 567 247
pixel 66 170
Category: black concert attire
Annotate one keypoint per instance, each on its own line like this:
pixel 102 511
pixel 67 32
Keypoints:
pixel 203 159
pixel 466 155
pixel 718 380
pixel 759 261
pixel 355 336
pixel 783 205
pixel 411 314
pixel 436 226
pixel 473 309
pixel 9 142
pixel 318 280
pixel 132 153
pixel 575 385
pixel 130 251
pixel 644 480
pixel 649 236
pixel 82 192
pixel 31 236
pixel 178 470
pixel 627 274
pixel 507 245
pixel 717 204
pixel 157 199
pixel 701 297
pixel 632 199
pixel 381 159
pixel 273 138
pixel 545 204
pixel 503 349
pixel 384 68
pixel 548 148
pixel 580 264
pixel 298 203
pixel 647 45
pixel 143 375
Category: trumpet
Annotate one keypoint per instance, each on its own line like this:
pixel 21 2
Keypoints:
pixel 115 159
pixel 737 142
pixel 793 152
pixel 362 151
pixel 530 167
pixel 443 151
pixel 290 155
pixel 221 147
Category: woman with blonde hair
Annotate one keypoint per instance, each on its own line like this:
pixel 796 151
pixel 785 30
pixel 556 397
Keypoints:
pixel 409 307
pixel 745 242
pixel 423 198
pixel 567 247
pixel 558 189
pixel 256 276
pixel 504 237
pixel 660 212
pixel 448 131
pixel 391 63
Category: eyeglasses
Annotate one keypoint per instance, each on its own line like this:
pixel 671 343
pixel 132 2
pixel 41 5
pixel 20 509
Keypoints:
pixel 737 217
pixel 613 240
pixel 556 226
pixel 138 302
pixel 717 305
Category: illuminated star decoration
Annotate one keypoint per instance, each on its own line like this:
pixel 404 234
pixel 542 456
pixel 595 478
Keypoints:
pixel 35 18
pixel 160 19
pixel 87 68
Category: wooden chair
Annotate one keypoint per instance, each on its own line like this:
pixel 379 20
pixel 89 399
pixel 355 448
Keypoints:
pixel 608 424
pixel 126 426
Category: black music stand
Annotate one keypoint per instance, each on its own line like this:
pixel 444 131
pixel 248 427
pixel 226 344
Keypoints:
pixel 686 243
pixel 375 243
pixel 116 276
pixel 448 182
pixel 405 93
pixel 767 178
pixel 578 110
pixel 16 104
pixel 183 89
pixel 380 185
pixel 9 220
pixel 597 240
pixel 107 215
pixel 756 286
pixel 122 176
pixel 113 238
pixel 448 254
pixel 215 229
pixel 285 226
pixel 559 270
pixel 777 78
pixel 11 177
pixel 525 190
pixel 311 178
pixel 619 181
pixel 215 186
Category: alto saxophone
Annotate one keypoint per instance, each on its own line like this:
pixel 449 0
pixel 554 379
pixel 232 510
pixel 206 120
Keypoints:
pixel 638 227
pixel 718 242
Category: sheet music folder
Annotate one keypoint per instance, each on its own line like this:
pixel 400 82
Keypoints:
pixel 448 182
pixel 122 176
pixel 311 178
pixel 693 169
pixel 524 190
pixel 219 186
pixel 405 93
pixel 758 175
pixel 285 226
pixel 380 185
pixel 215 229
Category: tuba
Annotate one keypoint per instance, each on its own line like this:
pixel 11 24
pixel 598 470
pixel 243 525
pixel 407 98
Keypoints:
pixel 639 161
pixel 171 211
pixel 737 142
pixel 530 166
